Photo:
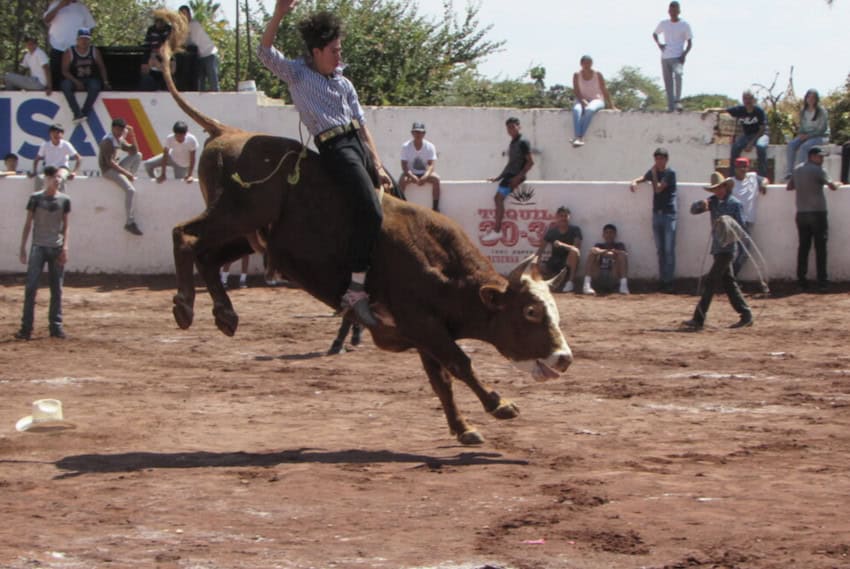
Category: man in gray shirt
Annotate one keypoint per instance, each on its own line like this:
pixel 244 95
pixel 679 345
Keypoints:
pixel 47 217
pixel 808 181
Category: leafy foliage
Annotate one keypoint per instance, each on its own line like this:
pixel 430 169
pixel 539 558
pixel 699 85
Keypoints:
pixel 838 104
pixel 705 101
pixel 631 90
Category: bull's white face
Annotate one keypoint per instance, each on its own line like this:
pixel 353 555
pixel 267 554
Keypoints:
pixel 543 311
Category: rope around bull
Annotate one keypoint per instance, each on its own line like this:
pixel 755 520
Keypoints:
pixel 293 178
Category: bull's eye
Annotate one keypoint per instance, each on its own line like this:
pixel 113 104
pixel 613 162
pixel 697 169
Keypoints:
pixel 533 313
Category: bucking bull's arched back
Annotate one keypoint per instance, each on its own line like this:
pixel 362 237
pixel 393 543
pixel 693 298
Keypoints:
pixel 429 284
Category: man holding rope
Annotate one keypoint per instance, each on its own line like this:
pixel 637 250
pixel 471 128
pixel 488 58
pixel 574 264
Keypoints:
pixel 329 107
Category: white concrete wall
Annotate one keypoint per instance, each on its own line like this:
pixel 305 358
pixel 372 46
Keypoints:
pixel 98 242
pixel 471 142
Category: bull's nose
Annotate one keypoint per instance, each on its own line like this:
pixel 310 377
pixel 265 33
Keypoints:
pixel 563 362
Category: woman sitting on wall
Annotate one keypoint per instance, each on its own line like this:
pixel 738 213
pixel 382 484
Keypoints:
pixel 813 131
pixel 591 95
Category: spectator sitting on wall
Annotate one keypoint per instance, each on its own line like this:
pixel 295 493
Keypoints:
pixel 64 18
pixel 207 77
pixel 607 264
pixel 565 243
pixel 753 122
pixel 36 61
pixel 10 165
pixel 56 152
pixel 122 173
pixel 179 152
pixel 83 70
pixel 512 175
pixel 591 95
pixel 418 158
pixel 151 71
pixel 813 130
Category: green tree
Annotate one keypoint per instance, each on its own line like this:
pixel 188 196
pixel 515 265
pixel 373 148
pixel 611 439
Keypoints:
pixel 394 55
pixel 631 90
pixel 838 105
pixel 705 101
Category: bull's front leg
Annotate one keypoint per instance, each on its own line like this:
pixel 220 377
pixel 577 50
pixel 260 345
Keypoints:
pixel 208 265
pixel 441 383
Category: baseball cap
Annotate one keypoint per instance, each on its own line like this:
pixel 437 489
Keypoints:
pixel 818 150
pixel 418 127
pixel 742 162
pixel 57 127
pixel 84 33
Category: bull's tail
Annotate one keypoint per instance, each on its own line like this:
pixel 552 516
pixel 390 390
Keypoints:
pixel 179 28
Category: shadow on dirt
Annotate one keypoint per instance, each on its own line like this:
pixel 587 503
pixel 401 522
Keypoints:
pixel 132 461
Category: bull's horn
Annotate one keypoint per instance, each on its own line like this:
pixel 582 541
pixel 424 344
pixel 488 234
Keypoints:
pixel 522 268
pixel 558 280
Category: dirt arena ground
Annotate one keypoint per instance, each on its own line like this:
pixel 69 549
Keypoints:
pixel 657 449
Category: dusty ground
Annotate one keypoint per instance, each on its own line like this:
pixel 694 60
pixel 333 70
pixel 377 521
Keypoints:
pixel 657 449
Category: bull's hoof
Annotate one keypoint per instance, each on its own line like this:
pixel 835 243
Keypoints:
pixel 507 409
pixel 336 348
pixel 226 320
pixel 472 437
pixel 183 312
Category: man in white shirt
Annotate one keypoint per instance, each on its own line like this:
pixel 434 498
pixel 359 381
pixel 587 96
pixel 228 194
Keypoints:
pixel 179 152
pixel 64 18
pixel 207 79
pixel 56 152
pixel 747 186
pixel 36 61
pixel 677 43
pixel 418 159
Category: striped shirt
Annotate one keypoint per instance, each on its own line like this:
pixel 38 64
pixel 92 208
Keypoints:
pixel 324 102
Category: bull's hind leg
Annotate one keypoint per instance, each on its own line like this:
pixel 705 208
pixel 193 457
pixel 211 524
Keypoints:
pixel 441 383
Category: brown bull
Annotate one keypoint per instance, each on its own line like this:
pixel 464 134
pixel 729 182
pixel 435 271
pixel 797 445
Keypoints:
pixel 426 274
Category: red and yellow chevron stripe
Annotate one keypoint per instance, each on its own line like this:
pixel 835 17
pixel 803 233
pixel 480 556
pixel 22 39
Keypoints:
pixel 132 111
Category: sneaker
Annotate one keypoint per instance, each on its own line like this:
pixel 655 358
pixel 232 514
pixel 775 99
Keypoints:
pixel 58 333
pixel 243 283
pixel 133 228
pixel 692 325
pixel 356 300
pixel 79 119
pixel 578 142
pixel 23 335
pixel 624 288
pixel 587 289
pixel 745 322
pixel 568 287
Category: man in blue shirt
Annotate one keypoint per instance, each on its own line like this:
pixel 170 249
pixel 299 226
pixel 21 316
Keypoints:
pixel 664 213
pixel 723 206
pixel 331 111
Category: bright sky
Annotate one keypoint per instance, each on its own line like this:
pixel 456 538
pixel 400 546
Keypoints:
pixel 736 42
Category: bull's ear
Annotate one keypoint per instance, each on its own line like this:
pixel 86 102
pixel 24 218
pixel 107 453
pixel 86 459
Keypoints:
pixel 493 295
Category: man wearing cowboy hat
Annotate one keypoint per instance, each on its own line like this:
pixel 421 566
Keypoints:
pixel 808 181
pixel 721 204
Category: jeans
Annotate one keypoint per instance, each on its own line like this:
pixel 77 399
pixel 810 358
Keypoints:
pixel 130 162
pixel 208 73
pixel 664 230
pixel 583 115
pixel 151 164
pixel 798 151
pixel 25 82
pixel 812 226
pixel 92 86
pixel 672 69
pixel 719 275
pixel 350 164
pixel 761 152
pixel 38 256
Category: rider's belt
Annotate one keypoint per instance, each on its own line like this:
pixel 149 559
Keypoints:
pixel 332 133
